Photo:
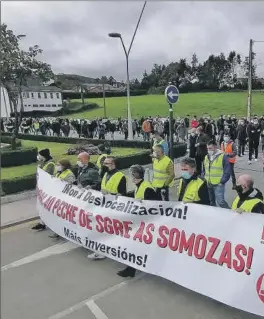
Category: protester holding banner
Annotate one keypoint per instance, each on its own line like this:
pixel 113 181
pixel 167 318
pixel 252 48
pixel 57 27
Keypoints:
pixel 249 199
pixel 114 182
pixel 64 171
pixel 143 191
pixel 192 188
pixel 47 163
pixel 217 172
pixel 163 173
pixel 88 173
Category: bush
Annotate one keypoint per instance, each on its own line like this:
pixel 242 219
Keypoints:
pixel 19 184
pixel 8 140
pixel 18 157
pixel 73 140
pixel 62 111
pixel 92 95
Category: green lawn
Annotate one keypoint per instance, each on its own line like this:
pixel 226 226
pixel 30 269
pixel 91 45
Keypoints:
pixel 57 150
pixel 191 103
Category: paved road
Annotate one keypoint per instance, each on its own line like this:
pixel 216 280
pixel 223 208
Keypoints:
pixel 43 278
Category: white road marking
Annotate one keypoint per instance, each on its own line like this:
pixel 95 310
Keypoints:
pixel 96 311
pixel 101 294
pixel 50 251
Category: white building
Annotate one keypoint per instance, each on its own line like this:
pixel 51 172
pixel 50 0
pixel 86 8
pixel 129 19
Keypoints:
pixel 5 104
pixel 41 98
pixel 35 98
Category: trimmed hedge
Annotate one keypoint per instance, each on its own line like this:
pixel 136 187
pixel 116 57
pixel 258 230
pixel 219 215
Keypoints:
pixel 62 111
pixel 29 182
pixel 73 140
pixel 18 184
pixel 8 140
pixel 18 157
pixel 92 95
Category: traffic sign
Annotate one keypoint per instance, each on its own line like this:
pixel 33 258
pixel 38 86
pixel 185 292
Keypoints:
pixel 172 94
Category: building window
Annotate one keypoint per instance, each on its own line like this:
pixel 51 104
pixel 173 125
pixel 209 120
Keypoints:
pixel 51 95
pixel 59 105
pixel 25 105
pixel 39 95
pixel 47 105
pixel 24 95
pixel 58 95
pixel 28 95
pixel 41 105
pixel 35 105
pixel 32 95
pixel 54 105
pixel 29 105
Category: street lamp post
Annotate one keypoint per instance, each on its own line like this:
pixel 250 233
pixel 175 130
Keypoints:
pixel 118 35
pixel 129 118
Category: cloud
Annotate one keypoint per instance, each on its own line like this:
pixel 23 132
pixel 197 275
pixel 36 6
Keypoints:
pixel 74 34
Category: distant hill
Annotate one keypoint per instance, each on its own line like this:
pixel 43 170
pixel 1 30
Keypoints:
pixel 70 81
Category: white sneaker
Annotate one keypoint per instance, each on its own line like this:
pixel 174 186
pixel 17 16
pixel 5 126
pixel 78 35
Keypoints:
pixel 249 162
pixel 95 256
pixel 256 159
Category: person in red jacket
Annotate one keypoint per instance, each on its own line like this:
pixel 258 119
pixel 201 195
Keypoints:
pixel 194 122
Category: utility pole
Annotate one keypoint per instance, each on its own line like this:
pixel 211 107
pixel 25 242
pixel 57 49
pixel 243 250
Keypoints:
pixel 104 100
pixel 249 102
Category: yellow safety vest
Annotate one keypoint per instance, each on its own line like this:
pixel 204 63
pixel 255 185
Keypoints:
pixel 191 191
pixel 159 172
pixel 98 163
pixel 247 206
pixel 214 169
pixel 111 186
pixel 45 167
pixel 140 192
pixel 64 174
pixel 36 126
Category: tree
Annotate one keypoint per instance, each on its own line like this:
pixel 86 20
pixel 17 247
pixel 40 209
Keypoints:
pixel 17 66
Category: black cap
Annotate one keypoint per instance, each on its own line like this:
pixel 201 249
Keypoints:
pixel 45 153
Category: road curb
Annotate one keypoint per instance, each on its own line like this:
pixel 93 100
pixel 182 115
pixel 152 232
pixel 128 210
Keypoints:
pixel 31 219
pixel 17 197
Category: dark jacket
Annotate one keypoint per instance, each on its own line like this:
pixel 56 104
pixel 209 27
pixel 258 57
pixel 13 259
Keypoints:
pixel 252 194
pixel 253 131
pixel 203 191
pixel 201 150
pixel 192 147
pixel 88 176
pixel 242 133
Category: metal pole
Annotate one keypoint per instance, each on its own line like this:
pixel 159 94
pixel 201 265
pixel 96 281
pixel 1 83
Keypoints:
pixel 171 131
pixel 129 117
pixel 104 100
pixel 249 101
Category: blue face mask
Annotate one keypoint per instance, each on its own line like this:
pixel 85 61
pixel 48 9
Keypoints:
pixel 186 175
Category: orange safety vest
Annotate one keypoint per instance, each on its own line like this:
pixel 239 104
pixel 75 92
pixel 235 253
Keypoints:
pixel 228 150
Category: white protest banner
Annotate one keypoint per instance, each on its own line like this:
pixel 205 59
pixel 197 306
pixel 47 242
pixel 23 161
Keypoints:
pixel 213 251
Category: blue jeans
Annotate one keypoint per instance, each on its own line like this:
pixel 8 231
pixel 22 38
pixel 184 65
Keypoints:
pixel 217 195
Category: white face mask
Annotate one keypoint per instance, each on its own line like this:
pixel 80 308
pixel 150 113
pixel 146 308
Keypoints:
pixel 226 138
pixel 211 152
pixel 80 164
pixel 192 134
pixel 255 122
pixel 40 158
pixel 58 168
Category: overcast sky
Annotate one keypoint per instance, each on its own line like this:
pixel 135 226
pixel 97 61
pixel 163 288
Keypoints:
pixel 74 34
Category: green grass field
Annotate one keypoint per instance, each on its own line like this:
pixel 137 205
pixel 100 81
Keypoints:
pixel 57 150
pixel 191 103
